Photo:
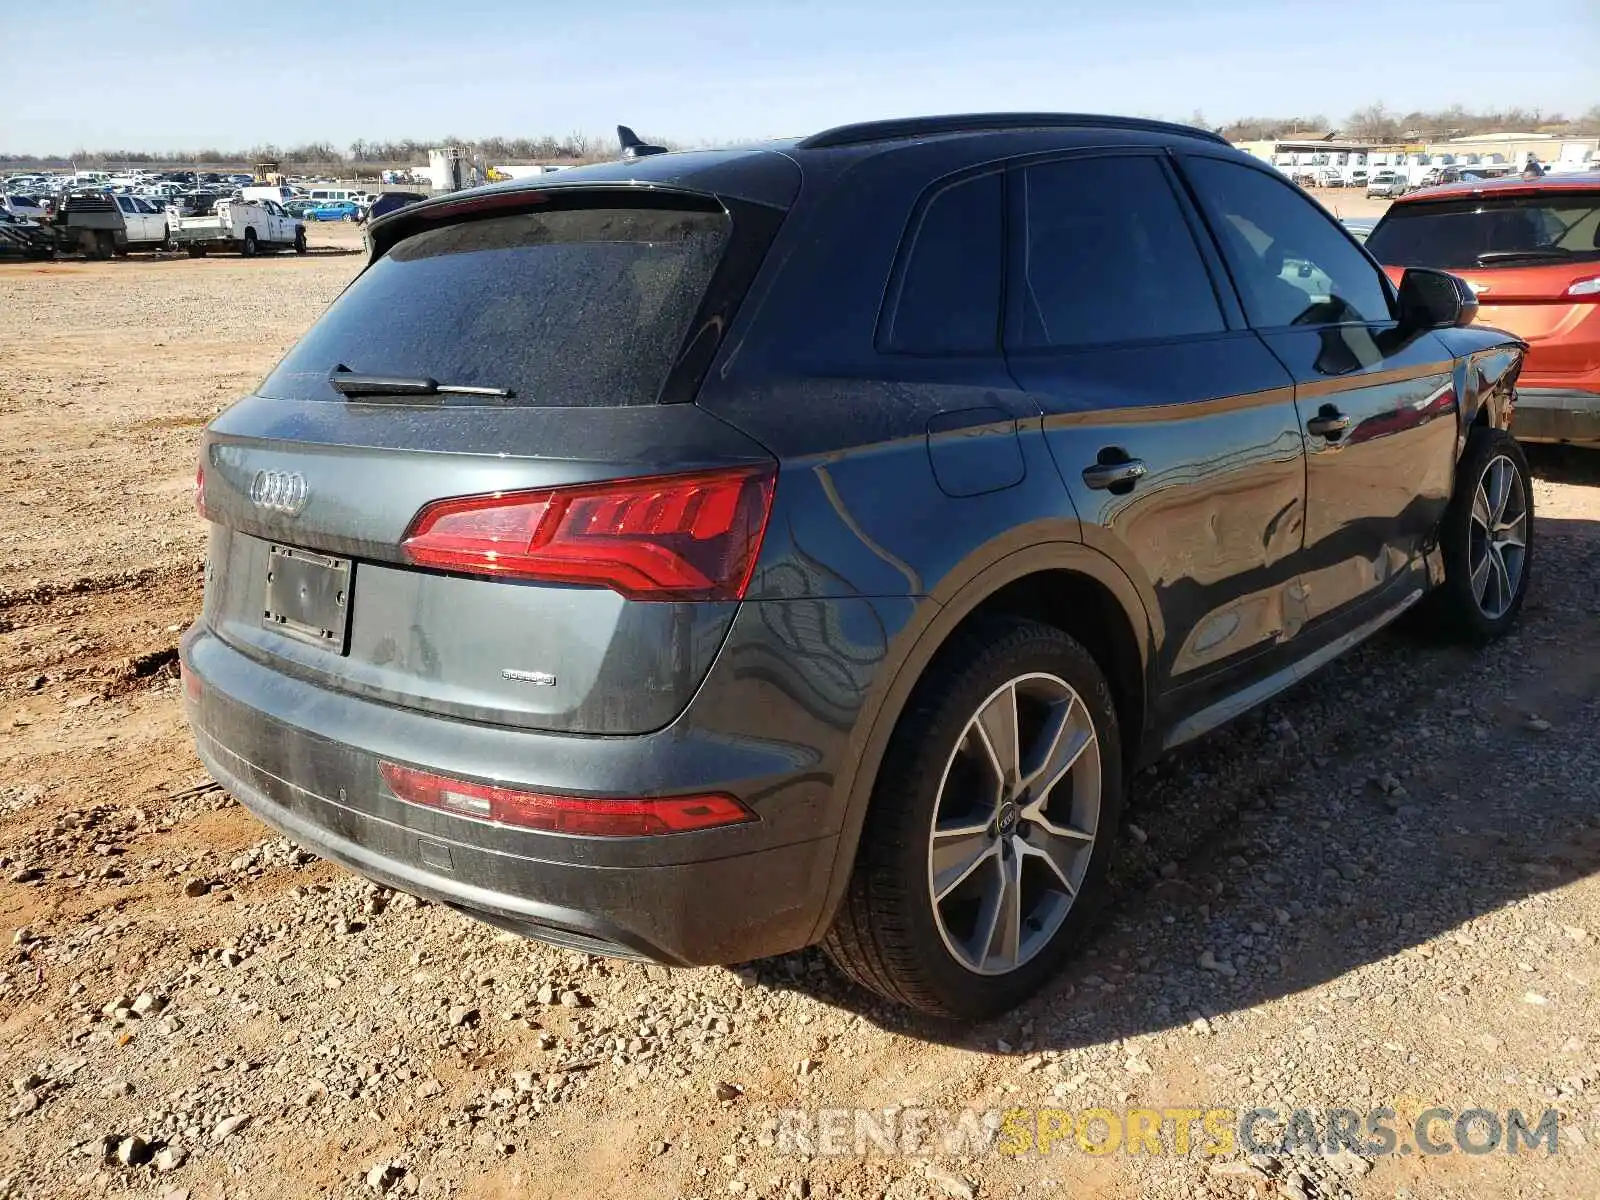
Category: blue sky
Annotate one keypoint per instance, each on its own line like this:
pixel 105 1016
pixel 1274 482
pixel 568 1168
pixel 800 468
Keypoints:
pixel 176 74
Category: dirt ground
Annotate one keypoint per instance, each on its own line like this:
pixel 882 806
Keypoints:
pixel 1378 892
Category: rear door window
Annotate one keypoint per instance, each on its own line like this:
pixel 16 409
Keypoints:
pixel 576 308
pixel 1487 231
pixel 946 296
pixel 1292 263
pixel 1108 257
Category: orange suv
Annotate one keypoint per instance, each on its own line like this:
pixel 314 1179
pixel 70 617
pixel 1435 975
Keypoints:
pixel 1530 249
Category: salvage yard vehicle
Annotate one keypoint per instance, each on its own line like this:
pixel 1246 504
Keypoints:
pixel 826 573
pixel 22 237
pixel 194 204
pixel 389 201
pixel 1386 185
pixel 1530 251
pixel 1360 227
pixel 23 206
pixel 335 210
pixel 250 227
pixel 100 225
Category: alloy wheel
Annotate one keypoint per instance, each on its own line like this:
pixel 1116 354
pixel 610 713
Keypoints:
pixel 1498 545
pixel 1014 824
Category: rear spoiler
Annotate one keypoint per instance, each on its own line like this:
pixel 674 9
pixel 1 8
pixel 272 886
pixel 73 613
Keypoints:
pixel 518 196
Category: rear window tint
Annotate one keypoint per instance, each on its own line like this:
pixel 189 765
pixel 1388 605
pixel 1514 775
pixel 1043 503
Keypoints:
pixel 583 308
pixel 1482 231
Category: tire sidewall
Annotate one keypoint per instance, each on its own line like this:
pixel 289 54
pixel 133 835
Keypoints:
pixel 1048 651
pixel 1483 445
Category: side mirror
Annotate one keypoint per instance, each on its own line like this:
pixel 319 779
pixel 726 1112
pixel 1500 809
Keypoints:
pixel 1435 300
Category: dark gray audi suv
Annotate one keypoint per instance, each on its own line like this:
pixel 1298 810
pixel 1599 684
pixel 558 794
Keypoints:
pixel 703 556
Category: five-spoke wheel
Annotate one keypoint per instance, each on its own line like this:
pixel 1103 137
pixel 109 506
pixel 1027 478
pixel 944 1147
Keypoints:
pixel 1486 539
pixel 1014 824
pixel 991 824
pixel 1500 516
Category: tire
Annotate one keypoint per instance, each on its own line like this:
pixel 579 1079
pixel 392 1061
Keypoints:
pixel 196 251
pixel 1485 573
pixel 300 241
pixel 105 245
pixel 167 244
pixel 891 934
pixel 249 249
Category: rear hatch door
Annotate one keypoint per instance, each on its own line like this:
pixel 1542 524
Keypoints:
pixel 565 320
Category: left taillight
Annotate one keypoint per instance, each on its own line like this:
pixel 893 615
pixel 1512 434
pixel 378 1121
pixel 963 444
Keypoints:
pixel 200 491
pixel 578 815
pixel 666 537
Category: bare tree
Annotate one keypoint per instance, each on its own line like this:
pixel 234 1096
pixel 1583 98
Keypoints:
pixel 1373 124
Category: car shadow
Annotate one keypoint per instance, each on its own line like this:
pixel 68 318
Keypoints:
pixel 1405 790
pixel 1564 464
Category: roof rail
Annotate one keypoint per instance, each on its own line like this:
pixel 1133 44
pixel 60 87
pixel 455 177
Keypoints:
pixel 912 127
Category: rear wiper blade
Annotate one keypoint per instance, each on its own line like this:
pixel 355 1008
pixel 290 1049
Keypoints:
pixel 1500 256
pixel 353 383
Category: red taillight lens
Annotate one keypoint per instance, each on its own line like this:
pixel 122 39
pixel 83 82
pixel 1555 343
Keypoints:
pixel 578 815
pixel 191 683
pixel 668 537
pixel 200 491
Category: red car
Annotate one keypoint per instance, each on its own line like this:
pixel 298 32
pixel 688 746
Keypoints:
pixel 1530 249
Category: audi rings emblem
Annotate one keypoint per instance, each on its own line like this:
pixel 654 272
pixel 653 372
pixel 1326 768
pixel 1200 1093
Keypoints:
pixel 280 492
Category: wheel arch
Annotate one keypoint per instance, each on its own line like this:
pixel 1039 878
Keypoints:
pixel 1041 583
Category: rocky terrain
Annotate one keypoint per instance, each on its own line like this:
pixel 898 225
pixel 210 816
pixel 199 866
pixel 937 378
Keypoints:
pixel 1378 892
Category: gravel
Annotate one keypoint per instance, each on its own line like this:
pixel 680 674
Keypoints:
pixel 1379 889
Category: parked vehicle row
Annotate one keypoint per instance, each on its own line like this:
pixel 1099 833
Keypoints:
pixel 99 225
pixel 191 194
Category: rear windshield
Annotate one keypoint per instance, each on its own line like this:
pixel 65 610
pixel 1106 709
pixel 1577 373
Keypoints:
pixel 579 308
pixel 1482 231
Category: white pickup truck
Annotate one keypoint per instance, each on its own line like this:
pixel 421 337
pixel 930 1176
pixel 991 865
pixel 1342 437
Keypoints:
pixel 249 226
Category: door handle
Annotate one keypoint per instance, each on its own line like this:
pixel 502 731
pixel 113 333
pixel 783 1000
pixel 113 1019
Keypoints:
pixel 1329 423
pixel 1109 475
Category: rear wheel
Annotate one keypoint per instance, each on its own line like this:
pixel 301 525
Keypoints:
pixel 991 826
pixel 197 251
pixel 299 241
pixel 1487 538
pixel 167 243
pixel 249 248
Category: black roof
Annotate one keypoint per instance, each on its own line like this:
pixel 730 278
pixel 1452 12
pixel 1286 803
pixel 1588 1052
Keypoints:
pixel 920 127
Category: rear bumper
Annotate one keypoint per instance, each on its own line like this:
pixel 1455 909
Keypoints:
pixel 1557 415
pixel 717 896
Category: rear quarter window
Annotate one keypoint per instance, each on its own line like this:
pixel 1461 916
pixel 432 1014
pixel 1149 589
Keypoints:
pixel 580 308
pixel 946 295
